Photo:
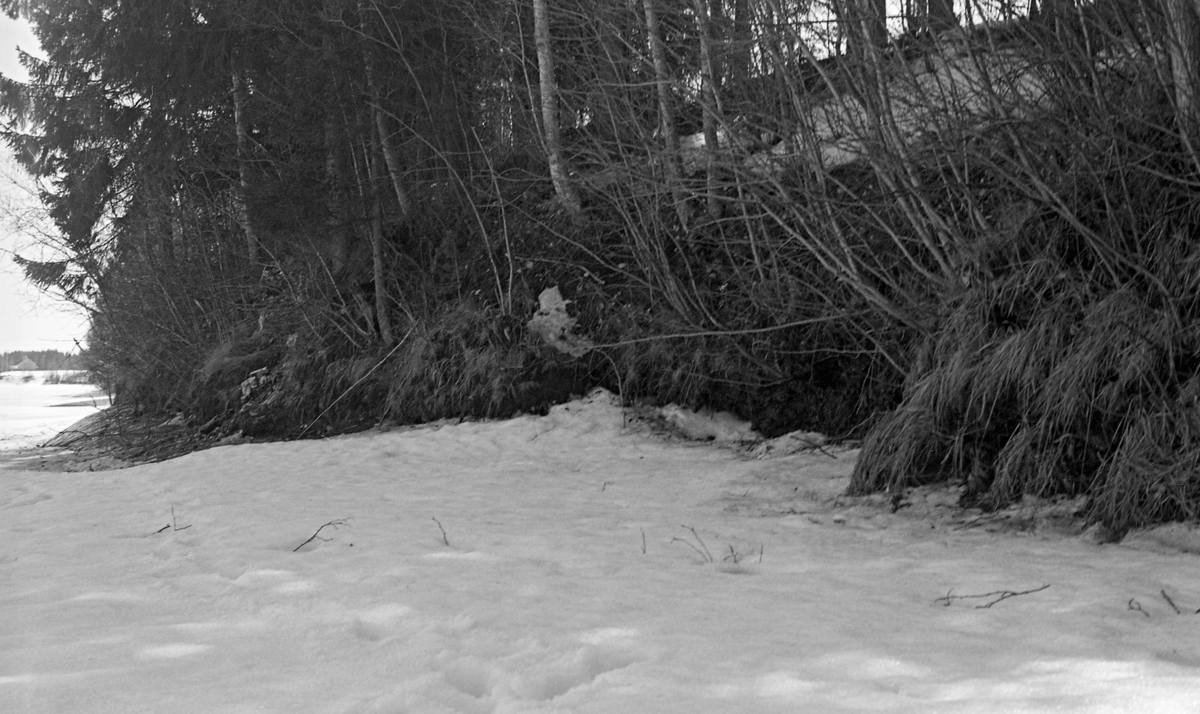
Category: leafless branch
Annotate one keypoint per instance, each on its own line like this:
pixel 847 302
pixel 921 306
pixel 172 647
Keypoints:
pixel 997 594
pixel 445 539
pixel 317 535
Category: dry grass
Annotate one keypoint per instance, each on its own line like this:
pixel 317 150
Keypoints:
pixel 1091 389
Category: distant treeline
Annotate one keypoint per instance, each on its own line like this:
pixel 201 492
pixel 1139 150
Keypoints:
pixel 45 359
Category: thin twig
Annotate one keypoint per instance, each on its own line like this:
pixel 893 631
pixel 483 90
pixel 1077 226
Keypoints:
pixel 643 541
pixel 721 333
pixel 1003 595
pixel 175 527
pixel 701 542
pixel 356 383
pixel 1137 607
pixel 443 530
pixel 316 536
pixel 1170 602
pixel 688 543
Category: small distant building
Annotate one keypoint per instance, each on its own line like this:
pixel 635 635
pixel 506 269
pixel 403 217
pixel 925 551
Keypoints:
pixel 26 365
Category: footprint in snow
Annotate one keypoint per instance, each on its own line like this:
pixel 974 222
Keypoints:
pixel 174 650
pixel 537 672
pixel 377 623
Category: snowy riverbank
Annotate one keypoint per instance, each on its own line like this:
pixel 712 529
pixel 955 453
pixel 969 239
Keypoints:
pixel 32 411
pixel 567 563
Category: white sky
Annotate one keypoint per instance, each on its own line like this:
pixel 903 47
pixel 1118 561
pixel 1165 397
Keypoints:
pixel 29 320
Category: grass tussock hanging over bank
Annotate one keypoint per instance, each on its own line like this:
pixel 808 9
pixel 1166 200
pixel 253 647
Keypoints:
pixel 1063 375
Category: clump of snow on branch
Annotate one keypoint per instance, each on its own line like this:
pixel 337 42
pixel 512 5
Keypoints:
pixel 554 325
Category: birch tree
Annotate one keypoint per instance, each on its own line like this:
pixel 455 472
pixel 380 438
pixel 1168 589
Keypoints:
pixel 241 196
pixel 551 132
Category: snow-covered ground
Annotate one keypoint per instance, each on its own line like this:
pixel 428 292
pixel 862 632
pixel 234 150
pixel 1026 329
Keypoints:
pixel 32 412
pixel 567 563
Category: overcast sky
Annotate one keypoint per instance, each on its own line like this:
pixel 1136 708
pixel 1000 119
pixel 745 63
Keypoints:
pixel 29 320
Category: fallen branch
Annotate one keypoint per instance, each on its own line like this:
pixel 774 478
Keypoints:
pixel 443 530
pixel 1003 595
pixel 317 535
pixel 1170 602
pixel 1137 607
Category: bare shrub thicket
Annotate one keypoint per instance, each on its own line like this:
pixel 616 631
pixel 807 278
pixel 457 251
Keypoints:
pixel 964 226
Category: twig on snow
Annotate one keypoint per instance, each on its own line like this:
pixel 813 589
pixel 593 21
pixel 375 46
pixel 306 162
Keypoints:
pixel 1170 602
pixel 1137 607
pixel 705 555
pixel 1003 595
pixel 688 543
pixel 317 535
pixel 643 541
pixel 697 537
pixel 175 527
pixel 445 539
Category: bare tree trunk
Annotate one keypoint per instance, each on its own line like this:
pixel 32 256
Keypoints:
pixel 337 223
pixel 392 161
pixel 710 103
pixel 865 25
pixel 1184 51
pixel 391 158
pixel 740 56
pixel 666 113
pixel 941 15
pixel 377 130
pixel 335 180
pixel 378 274
pixel 934 16
pixel 242 192
pixel 552 133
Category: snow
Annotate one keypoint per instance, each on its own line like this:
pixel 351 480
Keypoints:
pixel 569 563
pixel 32 412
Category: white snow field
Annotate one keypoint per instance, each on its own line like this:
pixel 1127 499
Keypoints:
pixel 561 574
pixel 32 412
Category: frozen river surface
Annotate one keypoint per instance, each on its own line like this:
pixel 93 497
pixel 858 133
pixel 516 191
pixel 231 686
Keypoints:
pixel 32 411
